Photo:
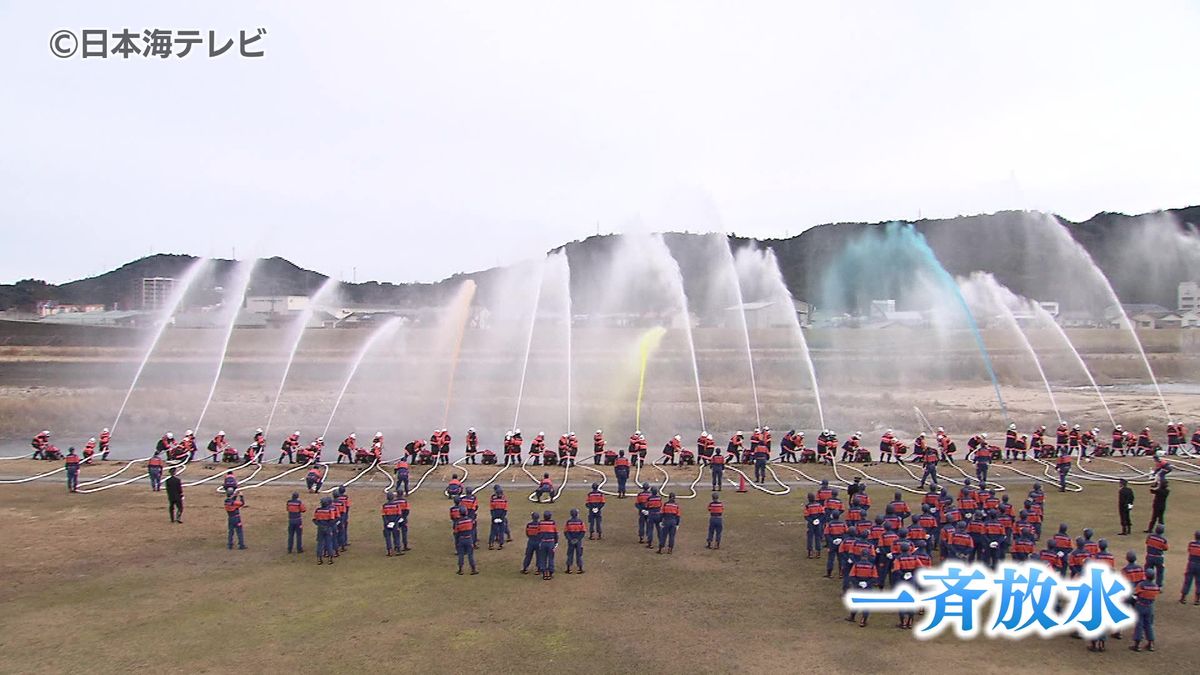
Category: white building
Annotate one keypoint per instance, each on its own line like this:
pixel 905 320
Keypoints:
pixel 1189 297
pixel 277 304
pixel 156 292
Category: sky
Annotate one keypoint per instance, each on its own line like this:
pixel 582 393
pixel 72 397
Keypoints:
pixel 406 141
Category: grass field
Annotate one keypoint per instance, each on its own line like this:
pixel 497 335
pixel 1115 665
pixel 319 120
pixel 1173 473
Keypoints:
pixel 105 582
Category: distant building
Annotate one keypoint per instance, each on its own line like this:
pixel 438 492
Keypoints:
pixel 1141 315
pixel 1189 297
pixel 100 318
pixel 1189 319
pixel 157 292
pixel 804 312
pixel 50 308
pixel 1050 306
pixel 1078 319
pixel 766 315
pixel 881 308
pixel 277 304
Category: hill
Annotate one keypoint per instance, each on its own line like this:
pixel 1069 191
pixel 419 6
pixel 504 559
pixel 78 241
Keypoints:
pixel 1011 244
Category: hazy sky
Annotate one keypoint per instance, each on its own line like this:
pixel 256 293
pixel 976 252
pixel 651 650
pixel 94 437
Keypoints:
pixel 411 140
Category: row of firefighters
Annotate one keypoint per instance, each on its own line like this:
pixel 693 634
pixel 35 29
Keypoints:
pixel 1040 444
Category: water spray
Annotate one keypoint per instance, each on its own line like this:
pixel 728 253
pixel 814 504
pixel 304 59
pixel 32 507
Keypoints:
pixel 646 346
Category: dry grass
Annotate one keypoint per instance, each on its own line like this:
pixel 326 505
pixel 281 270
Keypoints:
pixel 105 582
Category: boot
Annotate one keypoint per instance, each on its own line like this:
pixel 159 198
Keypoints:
pixel 863 623
pixel 1136 646
pixel 1150 646
pixel 670 550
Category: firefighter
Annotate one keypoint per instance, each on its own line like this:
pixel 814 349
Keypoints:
pixel 670 524
pixel 234 503
pixel 671 449
pixel 573 529
pixel 498 506
pixel 621 469
pixel 547 544
pixel 464 540
pixel 472 445
pixel 72 466
pixel 390 512
pixel 716 524
pixel 595 507
pixel 347 448
pixel 598 444
pixel 531 543
pixel 289 447
pixel 105 439
pixel 717 466
pixel 295 511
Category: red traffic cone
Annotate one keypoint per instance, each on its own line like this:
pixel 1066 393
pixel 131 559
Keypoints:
pixel 741 484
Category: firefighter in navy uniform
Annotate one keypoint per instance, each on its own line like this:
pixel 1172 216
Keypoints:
pixel 390 512
pixel 498 506
pixel 1191 573
pixel 531 542
pixel 1144 595
pixel 464 540
pixel 72 467
pixel 295 511
pixel 234 503
pixel 595 508
pixel 716 523
pixel 639 503
pixel 716 464
pixel 670 524
pixel 325 518
pixel 573 530
pixel 835 532
pixel 864 575
pixel 547 544
pixel 402 522
pixel 313 480
pixel 1156 548
pixel 930 461
pixel 814 516
pixel 621 470
pixel 653 509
